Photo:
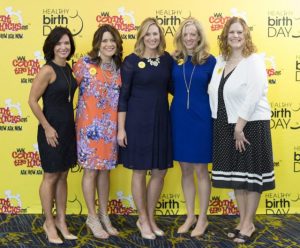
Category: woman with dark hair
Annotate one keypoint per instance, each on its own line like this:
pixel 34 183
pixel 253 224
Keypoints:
pixel 144 131
pixel 242 147
pixel 56 130
pixel 191 120
pixel 99 80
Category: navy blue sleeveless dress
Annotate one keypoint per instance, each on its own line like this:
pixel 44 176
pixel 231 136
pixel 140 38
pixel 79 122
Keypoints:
pixel 60 115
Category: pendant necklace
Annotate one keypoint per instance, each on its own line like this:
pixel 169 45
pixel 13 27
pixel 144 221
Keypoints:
pixel 68 82
pixel 188 86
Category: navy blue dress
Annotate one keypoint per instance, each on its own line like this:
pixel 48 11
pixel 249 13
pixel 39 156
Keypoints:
pixel 192 128
pixel 144 98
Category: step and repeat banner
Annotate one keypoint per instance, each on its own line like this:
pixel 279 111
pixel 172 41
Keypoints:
pixel 24 26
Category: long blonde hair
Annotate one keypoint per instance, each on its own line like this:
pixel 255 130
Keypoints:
pixel 139 47
pixel 201 52
pixel 225 49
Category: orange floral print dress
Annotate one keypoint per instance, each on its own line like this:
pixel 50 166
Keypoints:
pixel 96 117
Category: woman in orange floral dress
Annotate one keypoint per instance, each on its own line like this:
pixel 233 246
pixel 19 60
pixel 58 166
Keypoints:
pixel 98 77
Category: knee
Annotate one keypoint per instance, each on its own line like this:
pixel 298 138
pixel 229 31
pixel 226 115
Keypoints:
pixel 187 171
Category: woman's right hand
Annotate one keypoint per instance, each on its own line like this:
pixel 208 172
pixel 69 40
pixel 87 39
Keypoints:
pixel 122 138
pixel 51 136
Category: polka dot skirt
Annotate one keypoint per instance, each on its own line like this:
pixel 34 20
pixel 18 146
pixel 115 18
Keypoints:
pixel 251 170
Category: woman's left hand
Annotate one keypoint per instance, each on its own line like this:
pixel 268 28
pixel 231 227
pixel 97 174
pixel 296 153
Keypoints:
pixel 240 140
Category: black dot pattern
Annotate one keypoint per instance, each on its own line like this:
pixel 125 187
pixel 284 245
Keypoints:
pixel 251 170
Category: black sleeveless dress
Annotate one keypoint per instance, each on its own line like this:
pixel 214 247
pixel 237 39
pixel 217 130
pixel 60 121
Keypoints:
pixel 58 111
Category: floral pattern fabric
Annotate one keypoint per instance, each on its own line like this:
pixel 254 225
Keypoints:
pixel 96 118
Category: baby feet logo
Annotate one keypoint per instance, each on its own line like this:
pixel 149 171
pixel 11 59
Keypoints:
pixel 218 20
pixel 123 205
pixel 283 24
pixel 11 204
pixel 11 113
pixel 11 21
pixel 285 115
pixel 124 21
pixel 224 207
pixel 30 159
pixel 62 17
pixel 27 67
pixel 170 19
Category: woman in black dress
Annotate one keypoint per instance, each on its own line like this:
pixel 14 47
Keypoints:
pixel 144 132
pixel 56 130
pixel 242 147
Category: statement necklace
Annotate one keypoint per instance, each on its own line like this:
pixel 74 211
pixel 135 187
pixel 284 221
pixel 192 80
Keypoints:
pixel 68 82
pixel 112 68
pixel 188 86
pixel 154 62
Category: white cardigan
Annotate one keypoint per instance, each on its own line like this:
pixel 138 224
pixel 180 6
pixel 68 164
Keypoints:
pixel 245 91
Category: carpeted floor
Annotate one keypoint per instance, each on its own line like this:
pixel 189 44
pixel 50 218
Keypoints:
pixel 271 231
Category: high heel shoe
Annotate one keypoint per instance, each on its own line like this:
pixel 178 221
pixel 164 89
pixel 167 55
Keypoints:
pixel 104 218
pixel 193 223
pixel 145 236
pixel 56 241
pixel 93 224
pixel 66 236
pixel 159 232
pixel 195 233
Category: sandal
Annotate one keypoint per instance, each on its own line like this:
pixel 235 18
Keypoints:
pixel 233 233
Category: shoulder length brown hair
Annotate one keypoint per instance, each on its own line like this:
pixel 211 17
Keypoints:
pixel 98 35
pixel 201 52
pixel 139 47
pixel 225 49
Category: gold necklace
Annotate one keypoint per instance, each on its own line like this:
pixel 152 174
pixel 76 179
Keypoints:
pixel 68 82
pixel 188 86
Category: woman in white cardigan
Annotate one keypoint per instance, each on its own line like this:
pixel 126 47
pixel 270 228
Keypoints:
pixel 242 152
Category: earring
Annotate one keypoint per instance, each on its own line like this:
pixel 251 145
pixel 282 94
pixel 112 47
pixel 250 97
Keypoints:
pixel 99 54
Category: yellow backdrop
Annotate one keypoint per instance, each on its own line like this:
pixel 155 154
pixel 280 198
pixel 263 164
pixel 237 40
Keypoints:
pixel 24 25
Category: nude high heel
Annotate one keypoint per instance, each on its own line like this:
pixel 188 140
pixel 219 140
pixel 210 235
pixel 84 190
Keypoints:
pixel 104 219
pixel 56 241
pixel 181 230
pixel 66 236
pixel 145 236
pixel 93 224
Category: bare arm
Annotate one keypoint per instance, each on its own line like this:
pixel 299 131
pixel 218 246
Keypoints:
pixel 122 137
pixel 39 85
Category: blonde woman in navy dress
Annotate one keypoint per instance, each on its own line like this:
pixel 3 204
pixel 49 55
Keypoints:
pixel 191 119
pixel 242 151
pixel 144 132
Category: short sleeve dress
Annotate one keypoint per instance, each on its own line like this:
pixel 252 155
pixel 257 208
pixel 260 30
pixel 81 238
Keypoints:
pixel 58 111
pixel 192 126
pixel 96 117
pixel 144 98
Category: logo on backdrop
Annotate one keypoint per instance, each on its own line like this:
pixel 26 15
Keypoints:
pixel 11 115
pixel 11 204
pixel 168 204
pixel 223 206
pixel 297 158
pixel 297 77
pixel 271 68
pixel 277 203
pixel 218 20
pixel 123 20
pixel 27 68
pixel 122 205
pixel 170 19
pixel 11 24
pixel 283 24
pixel 62 17
pixel 29 159
pixel 285 116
